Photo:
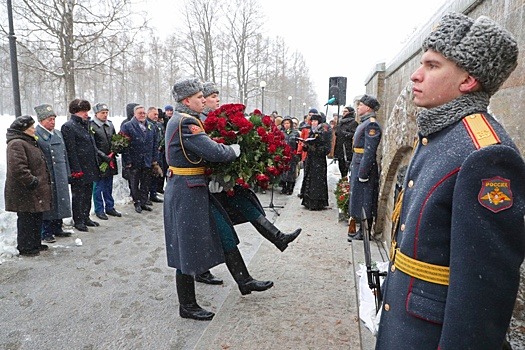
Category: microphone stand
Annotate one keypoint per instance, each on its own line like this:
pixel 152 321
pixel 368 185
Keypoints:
pixel 272 206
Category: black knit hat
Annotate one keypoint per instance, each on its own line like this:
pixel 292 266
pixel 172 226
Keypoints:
pixel 484 49
pixel 317 117
pixel 22 123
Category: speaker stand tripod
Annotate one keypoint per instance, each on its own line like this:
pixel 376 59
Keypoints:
pixel 272 206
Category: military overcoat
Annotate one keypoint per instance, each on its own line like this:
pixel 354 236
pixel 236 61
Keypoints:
pixel 192 241
pixel 463 208
pixel 54 149
pixel 364 165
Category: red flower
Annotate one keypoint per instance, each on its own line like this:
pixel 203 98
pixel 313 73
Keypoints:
pixel 264 154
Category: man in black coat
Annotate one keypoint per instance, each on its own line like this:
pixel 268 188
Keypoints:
pixel 460 237
pixel 103 130
pixel 344 135
pixel 83 162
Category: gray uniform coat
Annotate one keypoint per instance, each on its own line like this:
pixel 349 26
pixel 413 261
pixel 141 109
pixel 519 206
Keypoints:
pixel 192 241
pixel 364 165
pixel 462 208
pixel 54 149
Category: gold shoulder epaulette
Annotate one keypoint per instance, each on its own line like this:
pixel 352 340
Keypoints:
pixel 480 131
pixel 373 120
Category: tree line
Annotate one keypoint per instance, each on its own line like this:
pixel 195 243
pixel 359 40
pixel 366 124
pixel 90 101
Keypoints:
pixel 108 51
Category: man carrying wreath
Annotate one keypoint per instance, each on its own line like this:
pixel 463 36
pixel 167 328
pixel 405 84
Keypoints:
pixel 198 232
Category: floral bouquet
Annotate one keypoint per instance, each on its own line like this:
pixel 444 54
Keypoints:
pixel 118 143
pixel 342 195
pixel 264 153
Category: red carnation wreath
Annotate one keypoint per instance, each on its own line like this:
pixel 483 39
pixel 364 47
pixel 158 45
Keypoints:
pixel 264 153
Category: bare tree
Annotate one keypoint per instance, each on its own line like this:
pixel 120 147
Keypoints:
pixel 58 35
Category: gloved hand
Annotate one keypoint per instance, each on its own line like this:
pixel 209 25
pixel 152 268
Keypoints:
pixel 215 186
pixel 77 174
pixel 236 149
pixel 363 180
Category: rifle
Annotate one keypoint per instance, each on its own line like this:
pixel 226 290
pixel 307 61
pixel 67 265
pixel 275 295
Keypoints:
pixel 373 274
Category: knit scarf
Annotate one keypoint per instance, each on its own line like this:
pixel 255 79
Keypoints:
pixel 435 119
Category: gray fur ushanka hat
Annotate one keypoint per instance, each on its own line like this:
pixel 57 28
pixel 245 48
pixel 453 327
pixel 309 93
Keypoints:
pixel 186 88
pixel 209 88
pixel 44 111
pixel 483 48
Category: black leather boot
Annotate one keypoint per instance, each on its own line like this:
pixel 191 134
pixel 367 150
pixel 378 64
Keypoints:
pixel 273 234
pixel 188 307
pixel 239 271
pixel 208 278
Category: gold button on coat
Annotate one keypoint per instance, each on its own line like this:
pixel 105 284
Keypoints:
pixel 410 183
pixel 424 141
pixel 393 268
pixel 387 307
pixel 403 226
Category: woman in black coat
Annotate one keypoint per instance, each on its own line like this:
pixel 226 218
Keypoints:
pixel 315 184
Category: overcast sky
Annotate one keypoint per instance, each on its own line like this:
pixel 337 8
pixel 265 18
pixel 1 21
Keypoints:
pixel 336 37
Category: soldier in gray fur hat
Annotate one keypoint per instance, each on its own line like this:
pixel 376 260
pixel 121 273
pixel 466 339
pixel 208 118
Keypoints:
pixel 459 234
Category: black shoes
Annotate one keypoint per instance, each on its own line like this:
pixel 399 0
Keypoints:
pixel 92 223
pixel 252 285
pixel 148 202
pixel 195 312
pixel 208 278
pixel 138 208
pixel 101 216
pixel 113 212
pixel 146 207
pixel 62 233
pixel 81 227
pixel 30 252
pixel 155 199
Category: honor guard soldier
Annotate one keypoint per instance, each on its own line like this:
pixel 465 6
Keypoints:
pixel 460 240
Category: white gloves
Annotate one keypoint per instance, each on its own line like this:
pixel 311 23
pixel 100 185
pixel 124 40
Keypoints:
pixel 215 186
pixel 236 149
pixel 363 180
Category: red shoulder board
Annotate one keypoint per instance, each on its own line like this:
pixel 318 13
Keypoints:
pixel 495 194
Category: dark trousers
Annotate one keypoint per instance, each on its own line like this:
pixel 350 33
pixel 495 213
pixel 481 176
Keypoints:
pixel 343 167
pixel 28 236
pixel 139 182
pixel 50 227
pixel 81 202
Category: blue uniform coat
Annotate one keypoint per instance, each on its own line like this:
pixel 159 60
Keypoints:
pixel 364 165
pixel 446 219
pixel 192 242
pixel 54 149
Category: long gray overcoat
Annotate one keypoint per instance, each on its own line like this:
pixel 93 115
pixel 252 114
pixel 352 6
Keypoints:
pixel 364 165
pixel 462 208
pixel 192 241
pixel 54 149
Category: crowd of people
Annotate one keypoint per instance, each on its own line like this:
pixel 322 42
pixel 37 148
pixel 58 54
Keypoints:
pixel 462 200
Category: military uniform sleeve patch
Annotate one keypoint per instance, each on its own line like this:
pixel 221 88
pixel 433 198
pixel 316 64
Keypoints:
pixel 195 129
pixel 371 132
pixel 495 194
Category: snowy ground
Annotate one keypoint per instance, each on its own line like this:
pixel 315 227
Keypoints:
pixel 8 219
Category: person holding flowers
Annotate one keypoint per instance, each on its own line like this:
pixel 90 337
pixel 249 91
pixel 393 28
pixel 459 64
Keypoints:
pixel 198 232
pixel 239 201
pixel 103 132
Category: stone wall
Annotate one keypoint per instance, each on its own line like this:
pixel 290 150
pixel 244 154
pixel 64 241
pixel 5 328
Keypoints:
pixel 392 86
